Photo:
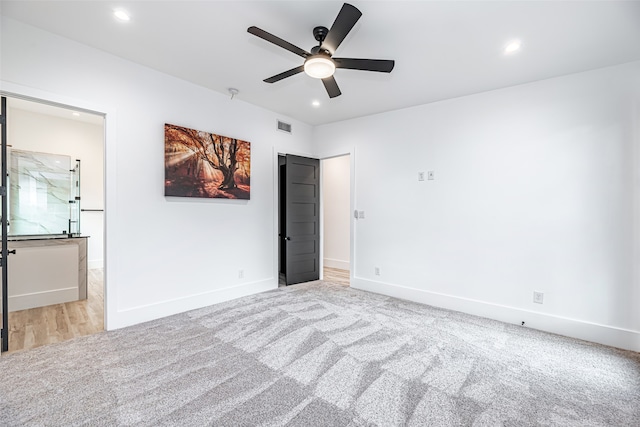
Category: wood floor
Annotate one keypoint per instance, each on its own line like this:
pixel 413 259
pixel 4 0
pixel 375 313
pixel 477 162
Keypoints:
pixel 333 275
pixel 336 275
pixel 59 322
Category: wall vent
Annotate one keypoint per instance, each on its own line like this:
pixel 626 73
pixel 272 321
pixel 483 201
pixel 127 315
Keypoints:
pixel 284 127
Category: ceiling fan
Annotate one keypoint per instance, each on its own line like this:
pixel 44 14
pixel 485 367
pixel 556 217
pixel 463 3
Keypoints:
pixel 319 63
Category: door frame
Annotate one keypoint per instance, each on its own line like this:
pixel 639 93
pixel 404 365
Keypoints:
pixel 351 152
pixel 4 334
pixel 12 90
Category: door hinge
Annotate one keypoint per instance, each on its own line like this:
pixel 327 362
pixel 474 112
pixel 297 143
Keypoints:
pixel 3 191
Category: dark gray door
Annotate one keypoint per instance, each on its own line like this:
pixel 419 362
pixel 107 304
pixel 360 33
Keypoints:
pixel 302 219
pixel 5 252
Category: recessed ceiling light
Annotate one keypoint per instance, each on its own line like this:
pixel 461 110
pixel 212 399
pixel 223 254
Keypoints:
pixel 121 15
pixel 316 103
pixel 75 114
pixel 512 47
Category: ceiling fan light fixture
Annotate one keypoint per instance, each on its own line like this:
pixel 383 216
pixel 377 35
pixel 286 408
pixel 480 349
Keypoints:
pixel 319 66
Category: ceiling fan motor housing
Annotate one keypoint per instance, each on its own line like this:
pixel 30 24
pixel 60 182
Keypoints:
pixel 319 33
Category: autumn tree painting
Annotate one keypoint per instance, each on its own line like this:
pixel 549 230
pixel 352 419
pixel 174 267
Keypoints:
pixel 201 164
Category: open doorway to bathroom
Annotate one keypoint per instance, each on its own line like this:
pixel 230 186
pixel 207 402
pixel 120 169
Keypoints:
pixel 55 188
pixel 336 213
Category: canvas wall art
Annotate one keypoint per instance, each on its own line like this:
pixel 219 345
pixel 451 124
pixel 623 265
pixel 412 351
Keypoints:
pixel 202 164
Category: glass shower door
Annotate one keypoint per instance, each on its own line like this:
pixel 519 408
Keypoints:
pixel 74 200
pixel 41 194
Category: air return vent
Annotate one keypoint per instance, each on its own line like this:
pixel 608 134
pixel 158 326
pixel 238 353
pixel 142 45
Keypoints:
pixel 284 127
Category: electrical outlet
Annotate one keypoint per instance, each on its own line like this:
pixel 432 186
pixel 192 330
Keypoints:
pixel 431 175
pixel 240 274
pixel 360 214
pixel 376 271
pixel 420 176
pixel 538 297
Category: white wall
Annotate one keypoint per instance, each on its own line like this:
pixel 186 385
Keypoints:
pixel 336 211
pixel 43 133
pixel 163 255
pixel 536 189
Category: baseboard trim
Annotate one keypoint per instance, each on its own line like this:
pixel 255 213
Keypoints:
pixel 336 263
pixel 144 313
pixel 608 335
pixel 41 299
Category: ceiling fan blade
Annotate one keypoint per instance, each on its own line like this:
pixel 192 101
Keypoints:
pixel 381 65
pixel 288 73
pixel 332 87
pixel 346 19
pixel 278 41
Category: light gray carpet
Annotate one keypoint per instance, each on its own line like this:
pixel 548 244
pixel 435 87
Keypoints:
pixel 321 355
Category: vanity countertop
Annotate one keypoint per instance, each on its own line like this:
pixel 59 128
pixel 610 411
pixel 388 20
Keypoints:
pixel 44 237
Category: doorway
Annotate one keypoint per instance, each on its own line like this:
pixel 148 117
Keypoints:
pixel 336 218
pixel 325 243
pixel 64 297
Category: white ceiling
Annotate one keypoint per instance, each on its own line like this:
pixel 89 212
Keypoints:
pixel 442 49
pixel 55 110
